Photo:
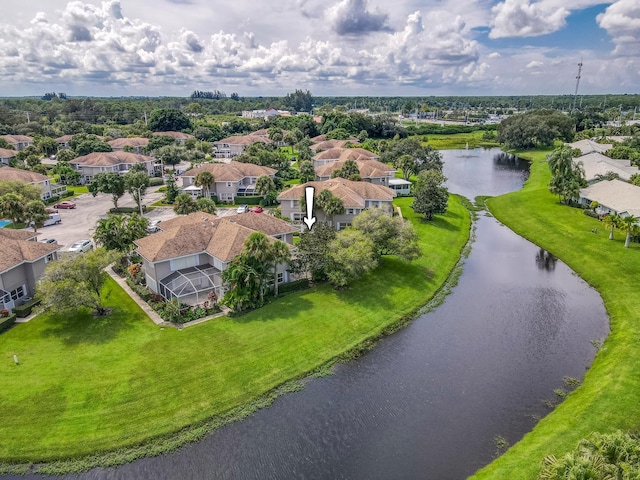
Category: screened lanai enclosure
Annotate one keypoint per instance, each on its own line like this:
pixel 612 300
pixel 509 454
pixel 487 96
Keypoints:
pixel 192 285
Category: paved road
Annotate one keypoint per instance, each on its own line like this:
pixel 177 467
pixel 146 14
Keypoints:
pixel 80 222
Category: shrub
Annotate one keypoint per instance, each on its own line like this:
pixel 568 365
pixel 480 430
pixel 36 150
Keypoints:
pixel 249 200
pixel 7 322
pixel 127 209
pixel 591 213
pixel 25 309
pixel 294 286
pixel 156 181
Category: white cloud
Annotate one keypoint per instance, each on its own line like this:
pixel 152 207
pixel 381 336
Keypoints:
pixel 351 17
pixel 621 20
pixel 535 64
pixel 523 18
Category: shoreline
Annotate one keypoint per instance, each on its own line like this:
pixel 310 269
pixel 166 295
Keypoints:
pixel 165 443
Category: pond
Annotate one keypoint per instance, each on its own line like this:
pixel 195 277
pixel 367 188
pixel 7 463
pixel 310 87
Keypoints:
pixel 430 400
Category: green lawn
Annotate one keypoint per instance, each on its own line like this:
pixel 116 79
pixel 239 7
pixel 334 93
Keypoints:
pixel 609 397
pixel 86 385
pixel 459 140
pixel 78 189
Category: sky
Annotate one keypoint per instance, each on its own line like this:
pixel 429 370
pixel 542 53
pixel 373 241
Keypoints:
pixel 330 47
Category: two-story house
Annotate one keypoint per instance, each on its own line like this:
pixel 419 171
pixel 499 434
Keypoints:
pixel 22 262
pixel 355 196
pixel 335 154
pixel 371 171
pixel 6 155
pixel 103 162
pixel 185 260
pixel 63 142
pixel 48 188
pixel 18 142
pixel 235 145
pixel 230 179
pixel 135 143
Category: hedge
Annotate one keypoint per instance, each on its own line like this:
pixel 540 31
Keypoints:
pixel 156 181
pixel 7 322
pixel 253 200
pixel 24 310
pixel 127 209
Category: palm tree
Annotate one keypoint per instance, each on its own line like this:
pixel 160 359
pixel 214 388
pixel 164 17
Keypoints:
pixel 204 180
pixel 185 204
pixel 36 213
pixel 11 207
pixel 265 185
pixel 611 220
pixel 280 254
pixel 243 282
pixel 330 204
pixel 628 224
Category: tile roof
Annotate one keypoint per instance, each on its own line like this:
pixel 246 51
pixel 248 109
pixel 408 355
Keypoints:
pixel 129 142
pixel 19 175
pixel 16 251
pixel 16 138
pixel 64 138
pixel 588 146
pixel 368 168
pixel 6 153
pixel 200 232
pixel 243 140
pixel 230 172
pixel 352 194
pixel 616 195
pixel 176 135
pixel 106 159
pixel 345 154
pixel 595 164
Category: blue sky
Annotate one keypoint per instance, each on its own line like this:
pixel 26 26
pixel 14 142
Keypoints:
pixel 331 47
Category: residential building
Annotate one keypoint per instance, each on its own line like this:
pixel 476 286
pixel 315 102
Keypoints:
pixel 596 164
pixel 271 112
pixel 613 196
pixel 49 189
pixel 235 145
pixel 22 262
pixel 335 154
pixel 264 133
pixel 102 162
pixel 179 137
pixel 185 260
pixel 400 186
pixel 355 196
pixel 230 179
pixel 63 142
pixel 589 146
pixel 135 143
pixel 371 171
pixel 6 155
pixel 18 142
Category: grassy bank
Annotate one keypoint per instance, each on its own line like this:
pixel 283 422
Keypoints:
pixel 459 140
pixel 608 398
pixel 87 385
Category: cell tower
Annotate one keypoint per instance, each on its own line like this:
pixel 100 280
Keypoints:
pixel 575 95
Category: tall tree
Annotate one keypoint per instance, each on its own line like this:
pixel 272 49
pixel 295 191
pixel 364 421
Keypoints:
pixel 312 252
pixel 206 205
pixel 307 172
pixel 424 157
pixel 390 235
pixel 265 185
pixel 567 176
pixel 612 221
pixel 136 184
pixel 351 255
pixel 12 206
pixel 110 183
pixel 330 205
pixel 75 281
pixel 628 225
pixel 349 170
pixel 171 155
pixel 118 232
pixel 168 119
pixel 204 179
pixel 172 190
pixel 35 214
pixel 430 194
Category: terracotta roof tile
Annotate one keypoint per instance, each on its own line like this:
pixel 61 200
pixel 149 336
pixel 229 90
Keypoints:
pixel 6 153
pixel 129 142
pixel 16 251
pixel 107 159
pixel 19 175
pixel 230 172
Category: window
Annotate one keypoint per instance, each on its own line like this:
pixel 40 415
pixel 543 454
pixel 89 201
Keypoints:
pixel 18 293
pixel 228 184
pixel 280 277
pixel 49 257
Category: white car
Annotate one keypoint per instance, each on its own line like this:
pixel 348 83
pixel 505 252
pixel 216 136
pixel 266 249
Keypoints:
pixel 81 246
pixel 242 209
pixel 153 226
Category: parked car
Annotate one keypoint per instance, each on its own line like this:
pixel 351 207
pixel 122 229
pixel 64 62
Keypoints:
pixel 257 209
pixel 243 209
pixel 65 204
pixel 153 226
pixel 49 240
pixel 81 246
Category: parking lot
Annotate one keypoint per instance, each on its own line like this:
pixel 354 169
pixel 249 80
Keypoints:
pixel 80 222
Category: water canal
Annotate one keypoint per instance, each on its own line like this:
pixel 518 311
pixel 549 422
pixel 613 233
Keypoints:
pixel 428 401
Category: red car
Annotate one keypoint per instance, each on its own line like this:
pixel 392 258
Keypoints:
pixel 65 204
pixel 257 209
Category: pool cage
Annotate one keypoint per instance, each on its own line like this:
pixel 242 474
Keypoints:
pixel 192 285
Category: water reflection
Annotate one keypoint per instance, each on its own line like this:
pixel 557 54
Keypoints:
pixel 545 260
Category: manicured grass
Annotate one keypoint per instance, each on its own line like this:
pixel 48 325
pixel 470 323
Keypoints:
pixel 609 397
pixel 87 385
pixel 459 140
pixel 78 189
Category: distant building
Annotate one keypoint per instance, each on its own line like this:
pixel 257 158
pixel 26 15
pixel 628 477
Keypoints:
pixel 103 162
pixel 135 143
pixel 613 196
pixel 6 155
pixel 596 165
pixel 49 189
pixel 19 142
pixel 235 145
pixel 177 136
pixel 371 171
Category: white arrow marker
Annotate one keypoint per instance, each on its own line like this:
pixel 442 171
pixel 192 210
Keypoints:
pixel 309 220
